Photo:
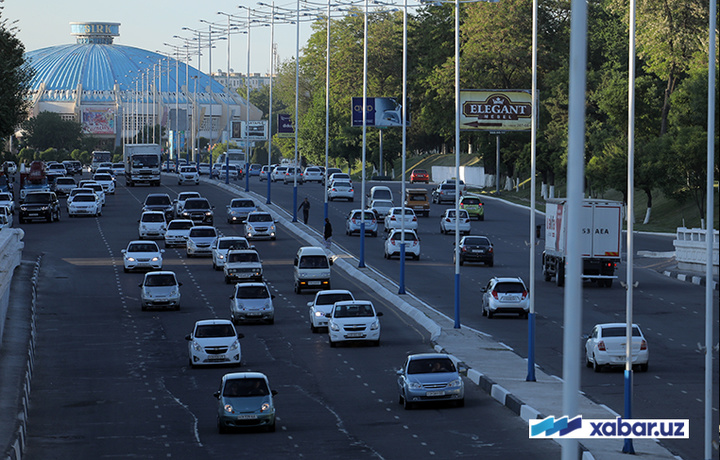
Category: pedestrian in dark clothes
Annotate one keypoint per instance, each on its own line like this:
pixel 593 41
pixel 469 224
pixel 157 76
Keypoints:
pixel 305 206
pixel 328 233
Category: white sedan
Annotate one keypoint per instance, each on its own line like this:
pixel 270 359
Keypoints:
pixel 606 347
pixel 142 254
pixel 84 204
pixel 412 244
pixel 341 189
pixel 448 222
pixel 394 219
pixel 323 304
pixel 381 207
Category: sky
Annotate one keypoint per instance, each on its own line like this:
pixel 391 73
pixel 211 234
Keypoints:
pixel 150 24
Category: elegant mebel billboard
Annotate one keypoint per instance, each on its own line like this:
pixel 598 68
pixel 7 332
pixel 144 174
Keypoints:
pixel 495 109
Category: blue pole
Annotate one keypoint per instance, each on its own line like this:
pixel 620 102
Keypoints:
pixel 295 205
pixel 628 445
pixel 227 165
pixel 247 175
pixel 531 348
pixel 457 301
pixel 269 181
pixel 361 262
pixel 401 286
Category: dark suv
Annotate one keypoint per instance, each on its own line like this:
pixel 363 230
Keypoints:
pixel 159 202
pixel 40 205
pixel 198 210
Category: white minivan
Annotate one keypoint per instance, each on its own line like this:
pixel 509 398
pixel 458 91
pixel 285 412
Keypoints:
pixel 380 192
pixel 311 268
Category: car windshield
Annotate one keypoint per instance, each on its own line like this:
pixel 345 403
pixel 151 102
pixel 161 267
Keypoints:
pixel 239 388
pixel 37 198
pixel 103 177
pixel 142 247
pixel 160 280
pixel 353 311
pixel 155 200
pixel 477 241
pixel 618 332
pixel 430 365
pixel 233 244
pixel 330 299
pixel 259 218
pixel 243 257
pixel 65 181
pixel 196 203
pixel 510 288
pixel 341 184
pixel 242 204
pixel 417 197
pixel 252 292
pixel 188 169
pixel 214 330
pixel 203 232
pixel 180 225
pixel 147 217
pixel 313 262
pixel 144 161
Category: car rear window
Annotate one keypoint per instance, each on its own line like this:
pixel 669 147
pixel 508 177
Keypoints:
pixel 471 201
pixel 382 194
pixel 510 288
pixel 418 197
pixel 477 242
pixel 618 332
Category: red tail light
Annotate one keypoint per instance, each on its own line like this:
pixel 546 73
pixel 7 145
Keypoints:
pixel 392 241
pixel 447 219
pixel 463 249
pixel 524 294
pixel 353 220
pixel 643 345
pixel 351 190
pixel 494 294
pixel 601 346
pixel 414 219
pixel 392 218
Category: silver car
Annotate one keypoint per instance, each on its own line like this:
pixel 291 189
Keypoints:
pixel 428 377
pixel 160 290
pixel 238 210
pixel 352 222
pixel 200 240
pixel 252 302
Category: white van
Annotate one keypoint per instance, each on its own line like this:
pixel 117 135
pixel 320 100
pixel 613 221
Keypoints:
pixel 380 192
pixel 311 269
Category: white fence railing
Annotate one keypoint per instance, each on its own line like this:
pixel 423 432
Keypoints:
pixel 691 249
pixel 11 246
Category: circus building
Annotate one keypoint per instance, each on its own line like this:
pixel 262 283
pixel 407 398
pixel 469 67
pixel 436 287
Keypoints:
pixel 115 91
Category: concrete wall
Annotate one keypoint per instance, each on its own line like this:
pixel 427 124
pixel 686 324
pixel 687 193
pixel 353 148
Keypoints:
pixel 11 247
pixel 471 175
pixel 690 249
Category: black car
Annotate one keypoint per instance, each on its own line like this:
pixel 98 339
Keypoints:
pixel 159 202
pixel 40 205
pixel 476 249
pixel 198 210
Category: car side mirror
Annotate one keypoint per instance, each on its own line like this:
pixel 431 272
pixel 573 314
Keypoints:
pixel 138 220
pixel 188 337
pixel 272 296
pixel 122 251
pixel 379 313
pixel 179 284
pixel 331 260
pixel 162 251
pixel 217 394
pixel 585 336
pixel 240 335
pixel 462 368
pixel 273 392
pixel 232 297
pixel 310 304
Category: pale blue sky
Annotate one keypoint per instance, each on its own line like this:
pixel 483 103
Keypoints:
pixel 149 24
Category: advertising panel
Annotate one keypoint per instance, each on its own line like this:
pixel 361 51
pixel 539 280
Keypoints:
pixel 256 130
pixel 495 110
pixel 285 125
pixel 98 120
pixel 381 112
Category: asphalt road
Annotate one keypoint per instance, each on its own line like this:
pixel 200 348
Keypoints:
pixel 670 312
pixel 113 381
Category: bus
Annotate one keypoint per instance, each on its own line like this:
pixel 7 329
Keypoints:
pixel 99 156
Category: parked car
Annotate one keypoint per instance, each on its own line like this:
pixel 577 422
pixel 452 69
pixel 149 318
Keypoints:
pixel 199 210
pixel 419 175
pixel 177 232
pixel 245 400
pixel 84 205
pixel 242 265
pixel 341 189
pixel 354 320
pixel 238 209
pixel 252 302
pixel 448 222
pixel 393 240
pixel 214 341
pixel 476 249
pixel 605 347
pixel 39 205
pixel 152 224
pixel 222 245
pixel 160 289
pixel 427 377
pixel 200 240
pixel 142 254
pixel 473 205
pixel 322 305
pixel 395 217
pixel 188 175
pixel 352 222
pixel 505 295
pixel 313 174
pixel 260 224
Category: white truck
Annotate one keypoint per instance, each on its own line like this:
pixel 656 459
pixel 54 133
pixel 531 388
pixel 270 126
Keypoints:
pixel 600 240
pixel 142 164
pixel 235 157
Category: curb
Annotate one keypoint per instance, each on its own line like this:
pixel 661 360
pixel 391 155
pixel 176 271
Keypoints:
pixel 694 279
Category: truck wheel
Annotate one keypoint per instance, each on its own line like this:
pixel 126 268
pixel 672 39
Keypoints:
pixel 608 283
pixel 559 274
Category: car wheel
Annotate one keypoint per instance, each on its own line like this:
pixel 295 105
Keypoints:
pixel 588 363
pixel 313 328
pixel 221 428
pixel 596 367
pixel 559 275
pixel 400 399
pixel 227 280
pixel 484 313
pixel 271 320
pixel 489 314
pixel 417 257
pixel 143 308
pixel 126 270
pixel 407 405
pixel 460 403
pixel 376 343
pixel 297 288
pixel 374 234
pixel 481 218
pixel 271 427
pixel 332 344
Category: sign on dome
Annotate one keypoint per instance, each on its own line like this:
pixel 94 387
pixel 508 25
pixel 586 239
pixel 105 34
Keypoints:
pixel 95 29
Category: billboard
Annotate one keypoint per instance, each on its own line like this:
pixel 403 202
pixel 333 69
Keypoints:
pixel 381 112
pixel 253 130
pixel 495 110
pixel 285 125
pixel 98 120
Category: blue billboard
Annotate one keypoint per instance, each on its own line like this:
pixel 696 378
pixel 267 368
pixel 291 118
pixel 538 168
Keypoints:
pixel 381 112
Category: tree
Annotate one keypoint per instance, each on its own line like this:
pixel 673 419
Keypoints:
pixel 15 78
pixel 49 130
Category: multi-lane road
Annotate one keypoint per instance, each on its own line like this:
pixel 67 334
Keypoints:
pixel 113 381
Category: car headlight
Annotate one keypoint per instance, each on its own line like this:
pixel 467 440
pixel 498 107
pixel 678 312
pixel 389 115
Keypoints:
pixel 265 406
pixel 196 346
pixel 229 408
pixel 235 345
pixel 208 213
pixel 455 383
pixel 415 385
pixel 131 259
pixel 220 256
pixel 174 292
pixel 147 294
pixel 155 259
pixel 239 306
pixel 375 325
pixel 333 327
pixel 319 314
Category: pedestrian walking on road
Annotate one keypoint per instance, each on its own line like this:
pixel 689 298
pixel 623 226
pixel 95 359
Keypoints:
pixel 305 206
pixel 327 233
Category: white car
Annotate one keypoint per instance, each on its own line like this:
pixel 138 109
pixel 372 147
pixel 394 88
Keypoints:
pixel 606 347
pixel 78 191
pixel 341 176
pixel 188 174
pixel 204 169
pixel 107 181
pixel 142 254
pixel 394 219
pixel 252 302
pixel 63 185
pixel 354 320
pixel 214 341
pixel 160 290
pixel 222 245
pixel 447 222
pixel 6 217
pixel 242 265
pixel 412 244
pixel 152 225
pixel 278 173
pixel 200 240
pixel 177 232
pixel 265 171
pixel 293 174
pixel 322 305
pixel 95 186
pixel 260 225
pixel 179 202
pixel 381 208
pixel 341 189
pixel 118 169
pixel 84 204
pixel 6 199
pixel 313 174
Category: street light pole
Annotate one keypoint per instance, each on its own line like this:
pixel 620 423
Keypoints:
pixel 297 109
